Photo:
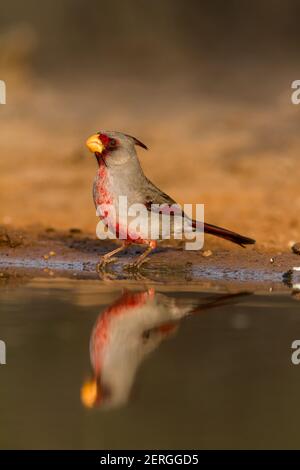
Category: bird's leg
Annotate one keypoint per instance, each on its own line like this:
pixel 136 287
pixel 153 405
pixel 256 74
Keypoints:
pixel 107 258
pixel 142 258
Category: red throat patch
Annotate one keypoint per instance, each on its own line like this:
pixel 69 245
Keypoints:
pixel 101 331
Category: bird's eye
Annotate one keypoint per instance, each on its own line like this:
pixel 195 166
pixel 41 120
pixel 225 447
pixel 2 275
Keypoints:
pixel 112 143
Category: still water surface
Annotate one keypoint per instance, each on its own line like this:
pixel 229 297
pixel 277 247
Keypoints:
pixel 91 365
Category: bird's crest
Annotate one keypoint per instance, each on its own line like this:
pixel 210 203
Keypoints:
pixel 137 141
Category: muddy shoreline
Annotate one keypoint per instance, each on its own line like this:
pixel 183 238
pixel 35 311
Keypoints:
pixel 73 254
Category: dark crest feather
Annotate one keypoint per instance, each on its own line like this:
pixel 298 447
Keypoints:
pixel 137 142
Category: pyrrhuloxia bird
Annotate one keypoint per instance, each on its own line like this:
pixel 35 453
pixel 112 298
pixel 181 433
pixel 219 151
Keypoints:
pixel 128 331
pixel 120 174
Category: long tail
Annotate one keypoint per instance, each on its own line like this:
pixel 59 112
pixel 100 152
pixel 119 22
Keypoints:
pixel 220 301
pixel 228 235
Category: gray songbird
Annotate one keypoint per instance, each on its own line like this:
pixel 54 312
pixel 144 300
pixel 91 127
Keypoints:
pixel 120 175
pixel 128 330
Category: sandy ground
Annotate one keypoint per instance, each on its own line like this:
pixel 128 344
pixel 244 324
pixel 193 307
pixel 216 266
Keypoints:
pixel 50 253
pixel 235 151
pixel 241 163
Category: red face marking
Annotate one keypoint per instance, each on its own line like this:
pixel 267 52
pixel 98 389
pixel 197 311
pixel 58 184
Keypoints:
pixel 104 139
pixel 108 142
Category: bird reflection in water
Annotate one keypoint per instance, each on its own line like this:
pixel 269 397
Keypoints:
pixel 127 331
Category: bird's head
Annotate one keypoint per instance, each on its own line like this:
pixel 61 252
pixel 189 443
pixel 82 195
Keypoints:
pixel 113 148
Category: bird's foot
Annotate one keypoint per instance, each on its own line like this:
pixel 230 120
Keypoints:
pixel 105 275
pixel 135 275
pixel 103 263
pixel 135 266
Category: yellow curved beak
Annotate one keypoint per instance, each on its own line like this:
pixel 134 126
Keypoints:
pixel 89 393
pixel 94 144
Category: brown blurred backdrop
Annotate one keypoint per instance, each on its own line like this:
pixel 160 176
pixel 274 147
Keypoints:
pixel 205 84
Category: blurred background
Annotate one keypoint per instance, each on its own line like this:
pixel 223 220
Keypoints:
pixel 205 84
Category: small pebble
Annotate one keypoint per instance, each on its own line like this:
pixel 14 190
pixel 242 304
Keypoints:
pixel 207 253
pixel 46 256
pixel 296 248
pixel 52 253
pixel 272 260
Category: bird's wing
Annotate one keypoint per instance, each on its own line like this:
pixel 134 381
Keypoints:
pixel 156 197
